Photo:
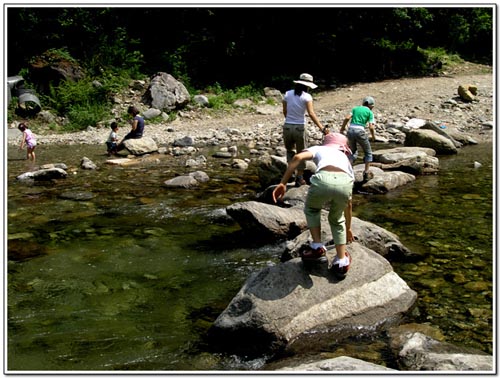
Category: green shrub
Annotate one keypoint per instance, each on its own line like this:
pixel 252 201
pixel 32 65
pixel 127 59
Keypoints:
pixel 176 63
pixel 216 102
pixel 81 116
pixel 440 54
pixel 85 103
pixel 11 110
pixel 218 98
pixel 55 55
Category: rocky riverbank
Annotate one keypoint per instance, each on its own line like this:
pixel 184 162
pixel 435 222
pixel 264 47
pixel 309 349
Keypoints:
pixel 397 101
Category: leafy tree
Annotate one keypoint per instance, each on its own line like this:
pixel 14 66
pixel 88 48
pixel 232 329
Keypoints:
pixel 237 45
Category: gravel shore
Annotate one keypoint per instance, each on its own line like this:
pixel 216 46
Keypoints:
pixel 430 98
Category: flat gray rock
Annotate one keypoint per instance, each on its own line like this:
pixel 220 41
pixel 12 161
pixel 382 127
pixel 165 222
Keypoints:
pixel 280 303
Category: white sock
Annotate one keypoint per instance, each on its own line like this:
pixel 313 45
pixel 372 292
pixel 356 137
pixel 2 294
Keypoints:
pixel 316 245
pixel 341 262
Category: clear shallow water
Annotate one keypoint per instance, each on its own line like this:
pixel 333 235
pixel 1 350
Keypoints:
pixel 133 277
pixel 448 218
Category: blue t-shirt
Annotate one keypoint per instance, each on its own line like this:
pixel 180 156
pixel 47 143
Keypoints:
pixel 140 126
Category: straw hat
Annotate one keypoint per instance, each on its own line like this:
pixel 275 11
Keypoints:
pixel 307 80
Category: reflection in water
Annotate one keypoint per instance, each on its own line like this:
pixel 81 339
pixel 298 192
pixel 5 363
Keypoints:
pixel 109 270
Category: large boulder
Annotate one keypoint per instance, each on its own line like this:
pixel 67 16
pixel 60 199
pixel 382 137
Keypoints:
pixel 86 163
pixel 268 221
pixel 279 304
pixel 385 181
pixel 270 169
pixel 275 222
pixel 294 196
pixel 166 93
pixel 439 130
pixel 431 139
pixel 414 350
pixel 184 181
pixel 141 146
pixel 398 154
pixel 413 160
pixel 50 68
pixel 54 165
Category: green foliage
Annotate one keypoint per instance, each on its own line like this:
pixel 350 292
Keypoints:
pixel 23 72
pixel 440 54
pixel 176 64
pixel 461 30
pixel 81 116
pixel 216 102
pixel 388 46
pixel 117 53
pixel 11 110
pixel 172 116
pixel 201 46
pixel 219 98
pixel 70 94
pixel 55 55
pixel 248 91
pixel 411 20
pixel 85 102
pixel 481 21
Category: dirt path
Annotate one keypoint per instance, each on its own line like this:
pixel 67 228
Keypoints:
pixel 398 100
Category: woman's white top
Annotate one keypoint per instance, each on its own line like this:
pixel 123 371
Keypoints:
pixel 296 107
pixel 325 155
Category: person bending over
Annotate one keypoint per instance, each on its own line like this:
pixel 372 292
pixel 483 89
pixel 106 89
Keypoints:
pixel 331 185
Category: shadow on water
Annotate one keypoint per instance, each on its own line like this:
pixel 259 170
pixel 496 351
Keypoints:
pixel 109 270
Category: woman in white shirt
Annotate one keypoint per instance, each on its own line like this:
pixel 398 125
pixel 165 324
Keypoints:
pixel 296 103
pixel 331 184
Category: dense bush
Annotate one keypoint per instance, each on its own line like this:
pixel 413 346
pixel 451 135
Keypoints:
pixel 236 46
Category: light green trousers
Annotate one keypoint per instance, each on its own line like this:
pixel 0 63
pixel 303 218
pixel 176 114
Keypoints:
pixel 333 190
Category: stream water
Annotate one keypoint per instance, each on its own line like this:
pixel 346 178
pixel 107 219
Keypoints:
pixel 109 270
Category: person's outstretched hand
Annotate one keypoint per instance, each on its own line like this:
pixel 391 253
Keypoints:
pixel 350 236
pixel 279 192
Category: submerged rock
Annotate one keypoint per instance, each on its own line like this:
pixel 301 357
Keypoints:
pixel 418 352
pixel 43 175
pixel 343 363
